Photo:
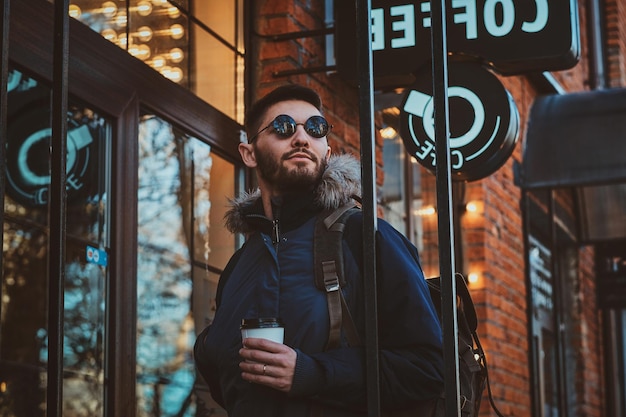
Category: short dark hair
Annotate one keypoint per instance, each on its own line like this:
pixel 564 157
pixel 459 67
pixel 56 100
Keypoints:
pixel 283 93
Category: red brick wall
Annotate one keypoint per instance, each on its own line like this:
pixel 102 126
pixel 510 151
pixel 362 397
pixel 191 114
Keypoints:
pixel 615 11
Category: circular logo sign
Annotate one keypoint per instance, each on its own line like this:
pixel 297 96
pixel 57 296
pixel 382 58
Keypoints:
pixel 28 156
pixel 483 121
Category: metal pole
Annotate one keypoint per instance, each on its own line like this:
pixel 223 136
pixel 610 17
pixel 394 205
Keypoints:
pixel 57 208
pixel 444 209
pixel 368 184
pixel 4 78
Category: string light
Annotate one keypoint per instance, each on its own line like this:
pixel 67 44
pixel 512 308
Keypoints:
pixel 109 34
pixel 172 73
pixel 121 20
pixel 176 55
pixel 475 207
pixel 388 132
pixel 144 34
pixel 177 31
pixel 144 8
pixel 74 11
pixel 109 9
pixel 173 12
pixel 155 43
pixel 158 62
pixel 425 211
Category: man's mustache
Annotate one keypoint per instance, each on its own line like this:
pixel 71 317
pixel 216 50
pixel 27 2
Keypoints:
pixel 300 151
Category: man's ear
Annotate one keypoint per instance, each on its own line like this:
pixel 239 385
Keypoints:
pixel 246 150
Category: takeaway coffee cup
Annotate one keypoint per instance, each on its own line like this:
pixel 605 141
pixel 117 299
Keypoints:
pixel 269 328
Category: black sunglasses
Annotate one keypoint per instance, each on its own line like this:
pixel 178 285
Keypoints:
pixel 284 126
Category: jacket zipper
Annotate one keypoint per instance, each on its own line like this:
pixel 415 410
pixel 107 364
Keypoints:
pixel 275 234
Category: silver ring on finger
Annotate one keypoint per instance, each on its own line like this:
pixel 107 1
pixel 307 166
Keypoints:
pixel 264 368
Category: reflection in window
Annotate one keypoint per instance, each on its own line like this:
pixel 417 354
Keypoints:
pixel 542 290
pixel 548 362
pixel 24 324
pixel 394 189
pixel 408 196
pixel 177 259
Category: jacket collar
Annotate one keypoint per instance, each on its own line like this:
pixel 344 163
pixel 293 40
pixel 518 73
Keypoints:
pixel 340 183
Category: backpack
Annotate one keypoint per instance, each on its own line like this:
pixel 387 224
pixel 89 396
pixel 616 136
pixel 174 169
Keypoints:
pixel 329 277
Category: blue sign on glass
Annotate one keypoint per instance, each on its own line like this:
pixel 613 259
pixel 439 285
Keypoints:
pixel 96 256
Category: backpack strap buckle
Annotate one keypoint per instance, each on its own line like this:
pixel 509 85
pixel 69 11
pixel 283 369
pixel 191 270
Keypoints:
pixel 331 280
pixel 331 284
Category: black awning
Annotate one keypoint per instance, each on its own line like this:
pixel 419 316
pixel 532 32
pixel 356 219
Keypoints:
pixel 579 141
pixel 576 139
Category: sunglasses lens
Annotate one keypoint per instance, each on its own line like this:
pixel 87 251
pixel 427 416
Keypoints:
pixel 284 125
pixel 316 126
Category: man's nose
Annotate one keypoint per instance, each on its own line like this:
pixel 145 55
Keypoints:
pixel 300 137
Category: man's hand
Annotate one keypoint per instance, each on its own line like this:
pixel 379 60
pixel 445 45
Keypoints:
pixel 268 363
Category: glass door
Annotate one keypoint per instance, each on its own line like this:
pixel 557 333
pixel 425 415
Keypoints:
pixel 142 259
pixel 23 323
pixel 182 248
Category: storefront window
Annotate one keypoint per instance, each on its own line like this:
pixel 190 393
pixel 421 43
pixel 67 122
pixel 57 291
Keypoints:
pixel 198 45
pixel 553 283
pixel 24 323
pixel 542 286
pixel 182 248
pixel 408 195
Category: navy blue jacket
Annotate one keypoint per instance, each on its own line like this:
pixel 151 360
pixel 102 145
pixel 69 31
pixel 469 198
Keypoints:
pixel 267 278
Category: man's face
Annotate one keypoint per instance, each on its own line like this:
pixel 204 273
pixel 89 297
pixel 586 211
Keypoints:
pixel 294 162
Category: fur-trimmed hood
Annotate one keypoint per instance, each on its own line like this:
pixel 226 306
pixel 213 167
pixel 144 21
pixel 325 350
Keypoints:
pixel 340 183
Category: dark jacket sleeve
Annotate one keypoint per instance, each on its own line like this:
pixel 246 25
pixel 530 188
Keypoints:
pixel 204 365
pixel 206 369
pixel 410 358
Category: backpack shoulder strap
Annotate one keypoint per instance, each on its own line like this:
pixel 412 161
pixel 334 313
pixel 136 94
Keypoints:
pixel 329 274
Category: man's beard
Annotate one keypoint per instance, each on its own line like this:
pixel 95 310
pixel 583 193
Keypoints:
pixel 288 179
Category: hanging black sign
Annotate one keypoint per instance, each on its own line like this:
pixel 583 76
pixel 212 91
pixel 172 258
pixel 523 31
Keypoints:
pixel 484 121
pixel 512 36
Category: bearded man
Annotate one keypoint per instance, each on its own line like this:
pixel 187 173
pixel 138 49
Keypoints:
pixel 272 275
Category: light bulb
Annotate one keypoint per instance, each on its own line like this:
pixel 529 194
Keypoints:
pixel 425 211
pixel 141 51
pixel 122 40
pixel 109 9
pixel 109 34
pixel 471 207
pixel 388 132
pixel 173 12
pixel 158 61
pixel 144 33
pixel 74 11
pixel 121 20
pixel 176 55
pixel 175 74
pixel 144 8
pixel 177 31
